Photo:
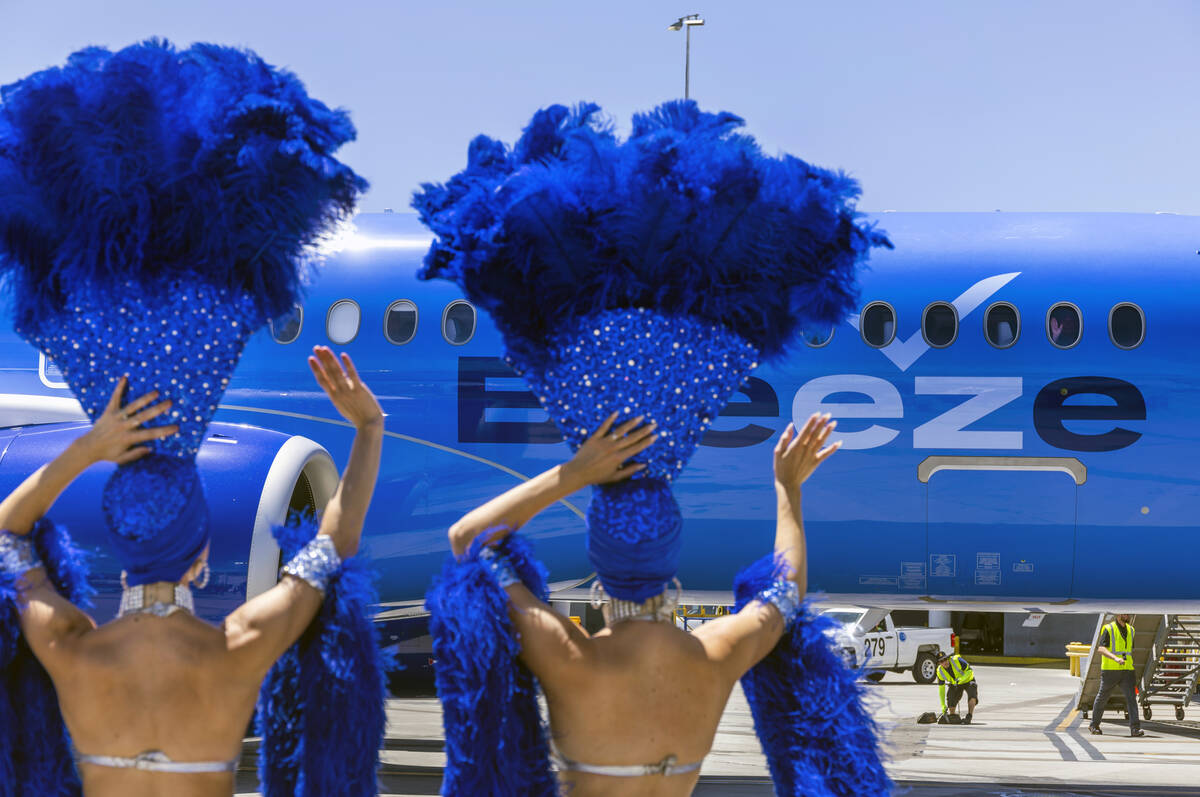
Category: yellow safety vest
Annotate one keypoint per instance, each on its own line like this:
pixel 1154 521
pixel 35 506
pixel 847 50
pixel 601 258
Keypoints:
pixel 1119 644
pixel 958 673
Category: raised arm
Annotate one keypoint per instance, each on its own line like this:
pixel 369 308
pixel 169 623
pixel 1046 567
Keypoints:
pixel 737 642
pixel 548 639
pixel 115 436
pixel 600 460
pixel 258 632
pixel 48 619
pixel 796 457
pixel 344 515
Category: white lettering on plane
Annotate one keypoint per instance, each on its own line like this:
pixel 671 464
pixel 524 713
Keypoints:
pixel 885 402
pixel 945 431
pixel 988 394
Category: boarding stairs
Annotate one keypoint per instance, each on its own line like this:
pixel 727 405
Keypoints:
pixel 1148 628
pixel 1171 674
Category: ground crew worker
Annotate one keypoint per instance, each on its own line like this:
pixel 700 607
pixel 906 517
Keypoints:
pixel 953 671
pixel 1116 669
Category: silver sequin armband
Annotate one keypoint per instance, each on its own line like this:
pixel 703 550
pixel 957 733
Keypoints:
pixel 500 566
pixel 17 554
pixel 315 562
pixel 784 595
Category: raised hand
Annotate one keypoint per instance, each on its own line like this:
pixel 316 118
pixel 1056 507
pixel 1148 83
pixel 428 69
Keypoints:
pixel 345 389
pixel 115 435
pixel 602 458
pixel 797 455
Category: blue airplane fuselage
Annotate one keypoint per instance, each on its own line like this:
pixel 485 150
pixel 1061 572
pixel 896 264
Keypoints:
pixel 1022 476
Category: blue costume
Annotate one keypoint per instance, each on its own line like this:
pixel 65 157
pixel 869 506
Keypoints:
pixel 647 276
pixel 157 207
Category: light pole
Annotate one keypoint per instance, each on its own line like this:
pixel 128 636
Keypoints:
pixel 686 24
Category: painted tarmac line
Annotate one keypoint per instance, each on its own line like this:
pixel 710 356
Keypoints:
pixel 1073 745
pixel 1068 720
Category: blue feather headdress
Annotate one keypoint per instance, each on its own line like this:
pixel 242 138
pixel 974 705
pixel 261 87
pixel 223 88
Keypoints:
pixel 157 207
pixel 648 275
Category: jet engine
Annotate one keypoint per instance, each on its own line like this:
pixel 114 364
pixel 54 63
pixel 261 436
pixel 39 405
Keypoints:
pixel 253 478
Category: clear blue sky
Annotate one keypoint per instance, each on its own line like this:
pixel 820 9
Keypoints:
pixel 932 104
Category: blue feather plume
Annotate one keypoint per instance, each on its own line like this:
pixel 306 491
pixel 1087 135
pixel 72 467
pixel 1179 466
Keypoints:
pixel 321 707
pixel 495 739
pixel 35 749
pixel 809 706
pixel 150 164
pixel 686 217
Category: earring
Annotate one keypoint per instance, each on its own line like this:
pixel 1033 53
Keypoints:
pixel 201 581
pixel 124 585
pixel 597 596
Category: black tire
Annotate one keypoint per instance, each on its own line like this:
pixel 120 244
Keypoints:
pixel 924 669
pixel 1084 713
pixel 1179 712
pixel 875 676
pixel 1147 713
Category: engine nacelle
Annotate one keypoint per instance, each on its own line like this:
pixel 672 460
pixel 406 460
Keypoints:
pixel 252 477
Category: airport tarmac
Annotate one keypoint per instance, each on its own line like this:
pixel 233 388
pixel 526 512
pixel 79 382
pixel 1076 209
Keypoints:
pixel 1026 741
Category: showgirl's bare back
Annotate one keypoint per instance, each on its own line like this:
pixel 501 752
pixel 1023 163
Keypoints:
pixel 639 691
pixel 174 684
pixel 648 690
pixel 155 683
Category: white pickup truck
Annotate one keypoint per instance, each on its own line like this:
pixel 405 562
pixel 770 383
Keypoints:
pixel 870 640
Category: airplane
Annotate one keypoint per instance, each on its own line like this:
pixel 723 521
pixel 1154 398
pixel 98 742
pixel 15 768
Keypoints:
pixel 1015 395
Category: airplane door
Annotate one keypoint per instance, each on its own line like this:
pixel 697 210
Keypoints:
pixel 1001 526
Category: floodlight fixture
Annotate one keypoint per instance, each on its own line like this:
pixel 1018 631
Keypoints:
pixel 686 24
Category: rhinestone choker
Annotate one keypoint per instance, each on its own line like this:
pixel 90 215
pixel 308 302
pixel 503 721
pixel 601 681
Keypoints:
pixel 133 601
pixel 658 609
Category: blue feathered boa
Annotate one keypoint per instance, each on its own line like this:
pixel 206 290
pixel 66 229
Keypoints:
pixel 321 709
pixel 809 706
pixel 35 750
pixel 495 739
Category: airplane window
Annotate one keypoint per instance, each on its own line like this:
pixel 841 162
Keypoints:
pixel 341 323
pixel 878 324
pixel 1001 325
pixel 458 322
pixel 1064 325
pixel 286 328
pixel 1126 326
pixel 50 374
pixel 939 324
pixel 400 322
pixel 816 338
